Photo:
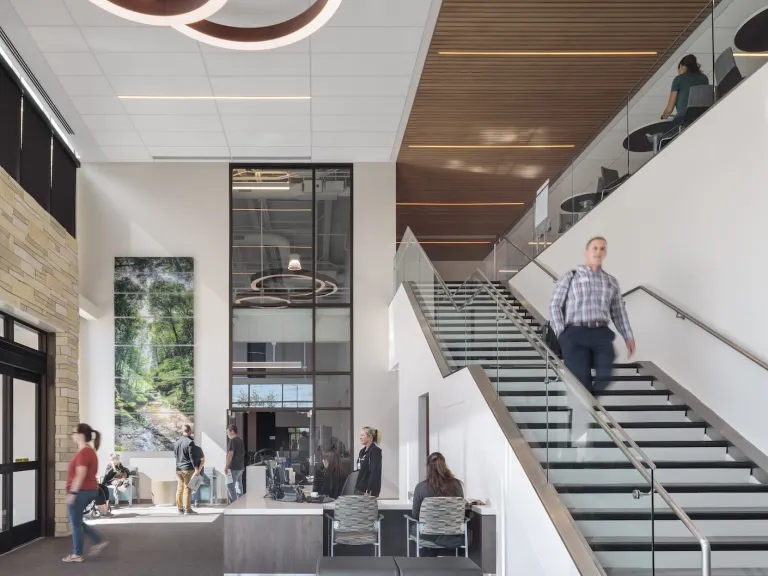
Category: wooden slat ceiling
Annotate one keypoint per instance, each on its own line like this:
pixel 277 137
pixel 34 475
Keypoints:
pixel 503 100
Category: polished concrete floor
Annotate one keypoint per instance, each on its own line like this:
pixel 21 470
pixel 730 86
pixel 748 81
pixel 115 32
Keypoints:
pixel 142 543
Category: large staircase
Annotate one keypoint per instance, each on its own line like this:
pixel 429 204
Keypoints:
pixel 629 532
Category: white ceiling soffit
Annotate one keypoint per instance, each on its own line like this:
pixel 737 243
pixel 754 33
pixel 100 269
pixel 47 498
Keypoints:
pixel 359 71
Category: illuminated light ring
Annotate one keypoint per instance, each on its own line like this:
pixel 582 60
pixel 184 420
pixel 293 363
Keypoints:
pixel 249 299
pixel 332 292
pixel 264 37
pixel 162 12
pixel 255 283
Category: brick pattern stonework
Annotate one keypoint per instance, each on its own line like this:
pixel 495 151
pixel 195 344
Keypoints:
pixel 39 278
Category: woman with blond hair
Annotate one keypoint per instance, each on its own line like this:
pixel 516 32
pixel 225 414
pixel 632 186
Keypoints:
pixel 369 463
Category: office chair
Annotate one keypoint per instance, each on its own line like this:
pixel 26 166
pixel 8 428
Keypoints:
pixel 727 74
pixel 439 517
pixel 611 180
pixel 356 522
pixel 349 484
pixel 700 99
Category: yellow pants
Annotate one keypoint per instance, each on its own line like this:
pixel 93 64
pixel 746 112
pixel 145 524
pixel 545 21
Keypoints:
pixel 183 493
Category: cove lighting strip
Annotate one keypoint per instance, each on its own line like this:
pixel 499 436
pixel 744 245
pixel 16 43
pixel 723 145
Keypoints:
pixel 548 53
pixel 490 147
pixel 33 94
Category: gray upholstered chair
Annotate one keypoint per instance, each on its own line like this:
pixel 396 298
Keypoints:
pixel 356 522
pixel 700 99
pixel 727 74
pixel 439 517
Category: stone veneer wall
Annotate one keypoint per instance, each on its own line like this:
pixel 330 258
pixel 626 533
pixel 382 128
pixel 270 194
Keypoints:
pixel 39 280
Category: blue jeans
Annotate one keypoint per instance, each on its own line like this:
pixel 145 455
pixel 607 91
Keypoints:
pixel 80 529
pixel 235 489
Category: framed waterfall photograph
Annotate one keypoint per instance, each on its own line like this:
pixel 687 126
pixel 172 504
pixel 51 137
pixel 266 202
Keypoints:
pixel 154 351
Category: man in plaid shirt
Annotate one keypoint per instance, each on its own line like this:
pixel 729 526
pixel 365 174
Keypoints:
pixel 585 301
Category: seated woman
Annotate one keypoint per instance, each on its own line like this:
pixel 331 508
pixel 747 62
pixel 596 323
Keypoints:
pixel 440 483
pixel 688 75
pixel 117 476
pixel 330 480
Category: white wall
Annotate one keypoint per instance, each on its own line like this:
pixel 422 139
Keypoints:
pixel 464 429
pixel 375 387
pixel 182 209
pixel 456 270
pixel 156 210
pixel 691 226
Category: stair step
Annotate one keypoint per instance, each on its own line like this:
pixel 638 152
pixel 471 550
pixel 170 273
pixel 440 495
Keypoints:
pixel 676 464
pixel 676 544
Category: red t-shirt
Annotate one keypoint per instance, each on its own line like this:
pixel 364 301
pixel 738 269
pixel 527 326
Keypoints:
pixel 85 457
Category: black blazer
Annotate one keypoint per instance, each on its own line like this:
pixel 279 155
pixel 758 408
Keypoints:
pixel 369 465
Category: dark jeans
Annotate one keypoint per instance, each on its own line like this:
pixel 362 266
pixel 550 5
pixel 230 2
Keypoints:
pixel 587 348
pixel 79 528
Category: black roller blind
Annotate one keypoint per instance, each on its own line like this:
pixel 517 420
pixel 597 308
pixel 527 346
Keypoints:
pixel 63 188
pixel 10 125
pixel 36 156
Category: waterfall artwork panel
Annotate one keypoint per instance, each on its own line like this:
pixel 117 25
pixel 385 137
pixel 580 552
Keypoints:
pixel 154 351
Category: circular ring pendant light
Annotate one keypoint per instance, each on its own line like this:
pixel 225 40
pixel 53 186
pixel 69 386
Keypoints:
pixel 190 18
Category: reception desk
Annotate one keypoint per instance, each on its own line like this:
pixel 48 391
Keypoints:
pixel 262 536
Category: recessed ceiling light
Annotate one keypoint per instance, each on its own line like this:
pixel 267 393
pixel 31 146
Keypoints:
pixel 550 53
pixel 149 97
pixel 461 204
pixel 490 147
pixel 144 14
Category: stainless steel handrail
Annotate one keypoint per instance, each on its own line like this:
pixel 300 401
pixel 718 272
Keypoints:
pixel 533 260
pixel 589 401
pixel 683 315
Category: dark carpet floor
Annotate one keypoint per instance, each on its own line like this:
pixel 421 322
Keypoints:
pixel 163 549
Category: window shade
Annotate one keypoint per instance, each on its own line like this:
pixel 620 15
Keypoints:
pixel 36 156
pixel 10 125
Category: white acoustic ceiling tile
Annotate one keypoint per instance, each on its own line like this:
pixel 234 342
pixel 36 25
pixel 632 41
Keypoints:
pixel 343 123
pixel 266 123
pixel 160 64
pixel 301 47
pixel 361 40
pixel 385 106
pixel 98 105
pixel 42 12
pixel 118 138
pixel 86 85
pixel 256 64
pixel 137 39
pixel 84 13
pixel 362 86
pixel 269 152
pixel 252 86
pixel 363 64
pixel 381 13
pixel 182 139
pixel 123 153
pixel 81 64
pixel 264 107
pixel 161 85
pixel 58 38
pixel 351 154
pixel 372 139
pixel 189 152
pixel 262 139
pixel 172 123
pixel 108 122
pixel 173 107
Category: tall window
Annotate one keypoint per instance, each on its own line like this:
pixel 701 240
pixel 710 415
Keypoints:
pixel 291 295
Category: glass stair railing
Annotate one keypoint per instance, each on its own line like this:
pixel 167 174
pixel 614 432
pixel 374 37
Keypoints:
pixel 602 476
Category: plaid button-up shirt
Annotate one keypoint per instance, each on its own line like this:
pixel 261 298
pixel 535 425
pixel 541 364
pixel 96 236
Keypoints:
pixel 593 296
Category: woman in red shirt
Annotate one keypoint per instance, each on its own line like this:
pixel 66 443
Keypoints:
pixel 82 487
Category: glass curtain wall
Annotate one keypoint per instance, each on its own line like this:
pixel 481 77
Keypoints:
pixel 291 295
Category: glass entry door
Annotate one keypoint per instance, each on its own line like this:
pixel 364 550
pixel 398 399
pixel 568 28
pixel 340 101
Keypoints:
pixel 22 438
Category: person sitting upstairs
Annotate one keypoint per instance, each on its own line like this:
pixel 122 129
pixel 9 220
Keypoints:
pixel 688 75
pixel 440 483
